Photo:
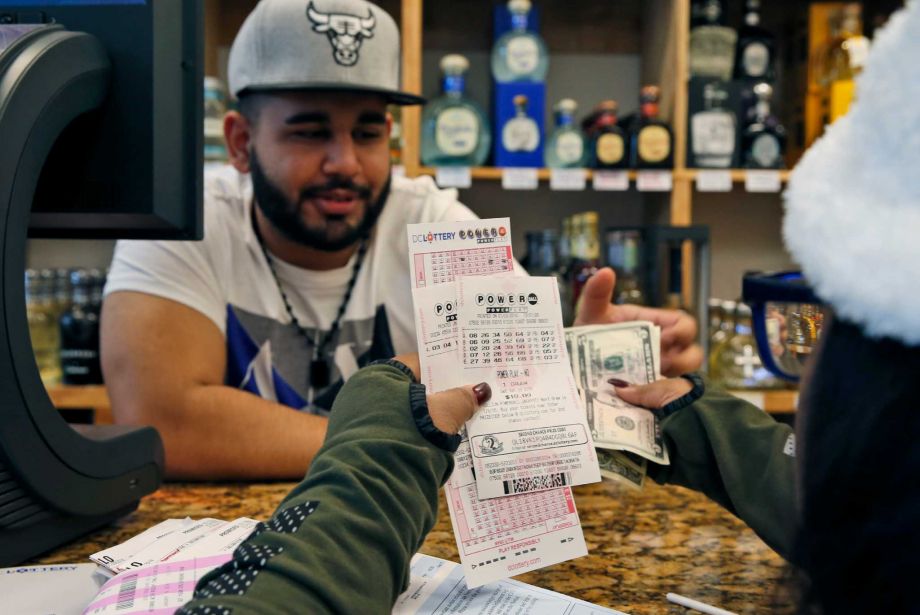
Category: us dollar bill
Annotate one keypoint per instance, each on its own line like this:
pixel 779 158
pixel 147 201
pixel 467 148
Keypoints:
pixel 621 468
pixel 627 351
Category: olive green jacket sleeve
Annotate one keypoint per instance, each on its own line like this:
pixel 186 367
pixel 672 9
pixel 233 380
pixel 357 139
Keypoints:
pixel 342 540
pixel 736 454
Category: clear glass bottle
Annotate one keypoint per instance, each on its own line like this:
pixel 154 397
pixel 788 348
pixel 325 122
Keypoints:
pixel 714 130
pixel 609 142
pixel 623 254
pixel 755 53
pixel 455 130
pixel 716 314
pixel 565 148
pixel 79 332
pixel 43 327
pixel 712 43
pixel 215 107
pixel 519 54
pixel 521 133
pixel 651 142
pixel 735 363
pixel 763 142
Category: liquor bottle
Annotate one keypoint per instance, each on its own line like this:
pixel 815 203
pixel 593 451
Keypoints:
pixel 62 292
pixel 565 148
pixel 674 298
pixel 735 363
pixel 608 140
pixel 589 262
pixel 519 55
pixel 454 128
pixel 754 56
pixel 97 279
pixel 716 314
pixel 651 142
pixel 764 139
pixel 563 266
pixel 840 62
pixel 714 130
pixel 43 329
pixel 79 332
pixel 712 43
pixel 623 249
pixel 396 135
pixel 520 133
pixel 215 107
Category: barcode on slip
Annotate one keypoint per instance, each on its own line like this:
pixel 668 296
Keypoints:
pixel 125 598
pixel 537 483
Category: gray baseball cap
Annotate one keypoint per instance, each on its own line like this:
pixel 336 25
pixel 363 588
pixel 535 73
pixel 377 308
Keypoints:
pixel 325 45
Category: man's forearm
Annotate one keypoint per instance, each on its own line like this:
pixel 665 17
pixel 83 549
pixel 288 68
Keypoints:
pixel 225 433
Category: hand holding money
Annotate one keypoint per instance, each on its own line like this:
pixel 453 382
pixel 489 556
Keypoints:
pixel 655 395
pixel 679 352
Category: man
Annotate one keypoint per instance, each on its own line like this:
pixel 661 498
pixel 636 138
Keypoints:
pixel 302 276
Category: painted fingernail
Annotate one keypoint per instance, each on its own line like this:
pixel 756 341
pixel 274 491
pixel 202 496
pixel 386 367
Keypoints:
pixel 617 382
pixel 483 393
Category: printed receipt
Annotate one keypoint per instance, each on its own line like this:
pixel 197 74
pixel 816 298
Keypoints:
pixel 533 434
pixel 436 587
pixel 499 537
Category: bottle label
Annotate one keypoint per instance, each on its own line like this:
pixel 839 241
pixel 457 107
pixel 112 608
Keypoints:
pixel 755 59
pixel 457 132
pixel 523 55
pixel 520 134
pixel 713 133
pixel 214 127
pixel 569 148
pixel 712 52
pixel 610 148
pixel 857 51
pixel 654 144
pixel 765 151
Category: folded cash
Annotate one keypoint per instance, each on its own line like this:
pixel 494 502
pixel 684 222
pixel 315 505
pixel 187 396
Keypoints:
pixel 621 468
pixel 627 351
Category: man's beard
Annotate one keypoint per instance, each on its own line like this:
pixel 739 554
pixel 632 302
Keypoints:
pixel 286 218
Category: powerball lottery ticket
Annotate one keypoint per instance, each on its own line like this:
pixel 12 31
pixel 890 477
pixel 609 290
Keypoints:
pixel 533 434
pixel 499 537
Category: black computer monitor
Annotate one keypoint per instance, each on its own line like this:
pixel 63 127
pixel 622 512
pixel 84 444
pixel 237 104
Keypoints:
pixel 100 136
pixel 130 168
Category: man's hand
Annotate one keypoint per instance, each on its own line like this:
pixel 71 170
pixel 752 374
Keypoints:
pixel 679 353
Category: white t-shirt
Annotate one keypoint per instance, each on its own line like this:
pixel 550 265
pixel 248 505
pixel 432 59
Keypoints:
pixel 226 278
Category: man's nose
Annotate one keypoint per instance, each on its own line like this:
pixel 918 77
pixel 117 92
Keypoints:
pixel 341 157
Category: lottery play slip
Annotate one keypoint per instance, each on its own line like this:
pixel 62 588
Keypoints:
pixel 509 497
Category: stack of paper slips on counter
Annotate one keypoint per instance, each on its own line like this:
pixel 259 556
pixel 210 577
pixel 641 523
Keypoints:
pixel 625 435
pixel 157 570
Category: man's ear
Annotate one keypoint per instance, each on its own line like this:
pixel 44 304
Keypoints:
pixel 238 135
pixel 389 117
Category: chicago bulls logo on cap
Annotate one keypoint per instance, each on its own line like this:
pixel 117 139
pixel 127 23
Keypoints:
pixel 345 32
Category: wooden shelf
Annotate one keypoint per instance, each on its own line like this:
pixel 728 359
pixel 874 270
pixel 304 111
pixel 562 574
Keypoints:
pixel 90 396
pixel 774 402
pixel 495 173
pixel 738 175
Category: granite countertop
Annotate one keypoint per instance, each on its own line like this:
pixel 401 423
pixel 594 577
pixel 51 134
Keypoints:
pixel 641 544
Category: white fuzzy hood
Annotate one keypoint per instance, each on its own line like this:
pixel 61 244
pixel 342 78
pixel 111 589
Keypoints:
pixel 853 202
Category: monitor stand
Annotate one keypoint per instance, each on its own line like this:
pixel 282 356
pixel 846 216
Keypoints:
pixel 56 482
